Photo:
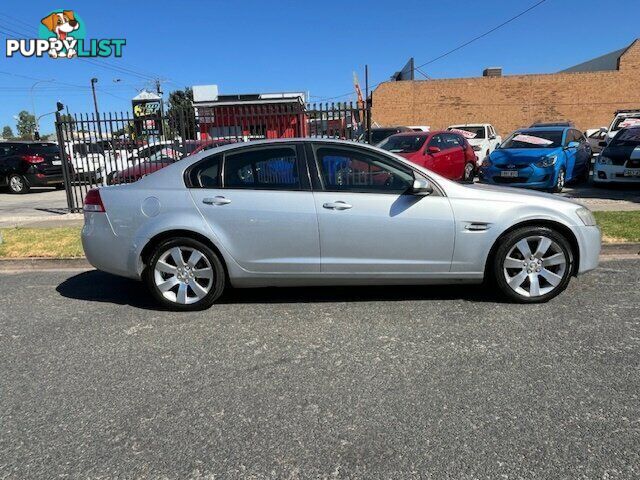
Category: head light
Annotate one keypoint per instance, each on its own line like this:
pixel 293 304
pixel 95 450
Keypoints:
pixel 486 162
pixel 586 216
pixel 477 148
pixel 547 161
pixel 602 160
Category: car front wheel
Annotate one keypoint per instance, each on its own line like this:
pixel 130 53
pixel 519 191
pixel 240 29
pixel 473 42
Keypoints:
pixel 468 174
pixel 533 264
pixel 185 274
pixel 560 181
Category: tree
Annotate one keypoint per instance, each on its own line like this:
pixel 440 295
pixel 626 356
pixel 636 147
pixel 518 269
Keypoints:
pixel 25 125
pixel 67 119
pixel 7 132
pixel 181 114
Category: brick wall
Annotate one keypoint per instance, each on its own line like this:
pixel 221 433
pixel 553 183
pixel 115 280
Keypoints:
pixel 588 99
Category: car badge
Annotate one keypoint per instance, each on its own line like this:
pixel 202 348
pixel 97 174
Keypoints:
pixel 511 166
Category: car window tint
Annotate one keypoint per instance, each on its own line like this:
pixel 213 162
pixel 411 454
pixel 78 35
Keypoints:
pixel 206 174
pixel 437 141
pixel 352 170
pixel 270 168
pixel 451 140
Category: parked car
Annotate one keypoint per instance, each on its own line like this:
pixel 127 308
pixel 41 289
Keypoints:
pixel 155 162
pixel 446 153
pixel 544 158
pixel 623 119
pixel 620 159
pixel 378 134
pixel 595 136
pixel 482 137
pixel 222 218
pixel 30 164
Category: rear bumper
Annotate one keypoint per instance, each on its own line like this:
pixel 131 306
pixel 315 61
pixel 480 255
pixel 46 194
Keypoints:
pixel 43 180
pixel 589 242
pixel 105 250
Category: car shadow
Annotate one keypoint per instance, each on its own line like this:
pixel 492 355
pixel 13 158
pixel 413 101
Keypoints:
pixel 96 286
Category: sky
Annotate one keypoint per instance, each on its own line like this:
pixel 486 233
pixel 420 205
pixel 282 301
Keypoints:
pixel 309 46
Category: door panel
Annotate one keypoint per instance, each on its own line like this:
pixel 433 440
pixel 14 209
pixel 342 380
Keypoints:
pixel 385 233
pixel 267 220
pixel 369 224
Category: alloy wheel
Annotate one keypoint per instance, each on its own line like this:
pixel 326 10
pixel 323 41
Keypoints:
pixel 468 172
pixel 534 266
pixel 16 183
pixel 561 181
pixel 183 275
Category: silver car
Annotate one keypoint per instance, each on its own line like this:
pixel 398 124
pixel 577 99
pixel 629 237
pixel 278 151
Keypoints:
pixel 298 212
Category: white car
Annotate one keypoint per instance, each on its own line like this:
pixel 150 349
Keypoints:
pixel 619 161
pixel 623 119
pixel 481 136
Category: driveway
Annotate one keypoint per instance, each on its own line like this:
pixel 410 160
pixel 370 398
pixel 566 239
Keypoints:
pixel 40 205
pixel 425 382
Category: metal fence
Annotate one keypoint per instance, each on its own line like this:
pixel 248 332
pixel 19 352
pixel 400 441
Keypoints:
pixel 110 148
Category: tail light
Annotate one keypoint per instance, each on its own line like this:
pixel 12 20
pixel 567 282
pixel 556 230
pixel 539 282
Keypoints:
pixel 33 159
pixel 93 201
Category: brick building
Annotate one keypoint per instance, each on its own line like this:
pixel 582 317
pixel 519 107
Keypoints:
pixel 587 94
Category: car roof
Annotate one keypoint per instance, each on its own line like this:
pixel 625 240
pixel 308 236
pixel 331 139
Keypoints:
pixel 554 128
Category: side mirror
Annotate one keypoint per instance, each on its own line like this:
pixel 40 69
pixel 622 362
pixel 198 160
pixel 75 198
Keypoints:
pixel 421 186
pixel 573 144
pixel 433 149
pixel 492 137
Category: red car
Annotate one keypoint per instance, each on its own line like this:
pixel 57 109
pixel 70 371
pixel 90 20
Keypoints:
pixel 445 153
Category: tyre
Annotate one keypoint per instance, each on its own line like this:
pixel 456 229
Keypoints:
pixel 184 274
pixel 560 181
pixel 533 264
pixel 469 173
pixel 18 184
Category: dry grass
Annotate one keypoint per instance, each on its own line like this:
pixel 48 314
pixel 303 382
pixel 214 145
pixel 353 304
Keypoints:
pixel 41 242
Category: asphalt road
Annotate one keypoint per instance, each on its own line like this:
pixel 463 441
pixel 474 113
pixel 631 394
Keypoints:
pixel 425 382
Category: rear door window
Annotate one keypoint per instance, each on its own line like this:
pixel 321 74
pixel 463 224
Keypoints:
pixel 274 168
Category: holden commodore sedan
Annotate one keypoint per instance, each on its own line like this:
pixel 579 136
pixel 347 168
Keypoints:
pixel 296 212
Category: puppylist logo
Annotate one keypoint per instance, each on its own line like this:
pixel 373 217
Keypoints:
pixel 62 35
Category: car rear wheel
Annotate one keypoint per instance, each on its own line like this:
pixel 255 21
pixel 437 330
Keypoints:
pixel 18 184
pixel 185 274
pixel 533 264
pixel 468 174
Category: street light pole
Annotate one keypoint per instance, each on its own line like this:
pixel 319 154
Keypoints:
pixel 36 127
pixel 95 104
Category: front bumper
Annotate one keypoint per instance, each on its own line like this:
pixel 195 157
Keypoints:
pixel 612 174
pixel 528 176
pixel 589 242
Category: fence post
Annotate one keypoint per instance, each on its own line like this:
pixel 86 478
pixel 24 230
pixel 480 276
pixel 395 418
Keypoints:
pixel 65 164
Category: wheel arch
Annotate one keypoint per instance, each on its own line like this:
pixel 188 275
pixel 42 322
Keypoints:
pixel 154 241
pixel 558 226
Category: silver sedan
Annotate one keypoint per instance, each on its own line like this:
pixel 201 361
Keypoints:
pixel 325 212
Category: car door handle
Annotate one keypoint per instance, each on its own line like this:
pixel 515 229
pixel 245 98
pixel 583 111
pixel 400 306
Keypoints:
pixel 339 205
pixel 216 201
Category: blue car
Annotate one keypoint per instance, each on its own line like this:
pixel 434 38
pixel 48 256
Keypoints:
pixel 545 158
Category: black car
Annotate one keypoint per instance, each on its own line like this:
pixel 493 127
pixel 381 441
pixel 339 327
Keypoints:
pixel 30 164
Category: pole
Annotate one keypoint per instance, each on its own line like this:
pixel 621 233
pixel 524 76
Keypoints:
pixel 36 127
pixel 66 173
pixel 366 90
pixel 95 104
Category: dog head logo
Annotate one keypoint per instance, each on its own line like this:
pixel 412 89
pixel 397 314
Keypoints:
pixel 62 24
